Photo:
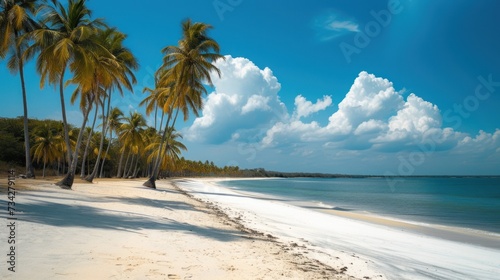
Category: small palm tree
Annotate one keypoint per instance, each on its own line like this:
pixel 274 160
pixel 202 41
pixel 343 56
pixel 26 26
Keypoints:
pixel 17 20
pixel 173 148
pixel 131 136
pixel 47 146
pixel 114 122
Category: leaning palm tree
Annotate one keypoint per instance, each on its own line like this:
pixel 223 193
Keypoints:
pixel 173 149
pixel 121 76
pixel 66 41
pixel 184 69
pixel 17 20
pixel 69 41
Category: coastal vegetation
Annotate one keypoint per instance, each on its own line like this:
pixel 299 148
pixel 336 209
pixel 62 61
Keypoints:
pixel 118 158
pixel 71 47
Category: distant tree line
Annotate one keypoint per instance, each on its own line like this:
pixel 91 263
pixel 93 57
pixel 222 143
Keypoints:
pixel 118 160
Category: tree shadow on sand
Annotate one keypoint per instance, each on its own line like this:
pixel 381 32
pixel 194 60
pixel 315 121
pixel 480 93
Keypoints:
pixel 64 215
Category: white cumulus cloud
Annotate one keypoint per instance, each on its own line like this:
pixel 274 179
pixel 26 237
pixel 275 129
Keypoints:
pixel 304 108
pixel 374 115
pixel 244 104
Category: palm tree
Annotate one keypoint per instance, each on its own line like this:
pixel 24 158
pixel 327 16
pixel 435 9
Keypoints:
pixel 184 69
pixel 172 149
pixel 131 136
pixel 114 122
pixel 122 75
pixel 68 41
pixel 46 147
pixel 16 20
pixel 156 98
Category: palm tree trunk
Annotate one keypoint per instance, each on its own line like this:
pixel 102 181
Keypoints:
pixel 156 168
pixel 85 153
pixel 150 183
pixel 119 172
pixel 29 166
pixel 65 122
pixel 134 174
pixel 129 172
pixel 67 181
pixel 110 134
pixel 44 161
pixel 126 164
pixel 92 175
pixel 156 116
pixel 106 153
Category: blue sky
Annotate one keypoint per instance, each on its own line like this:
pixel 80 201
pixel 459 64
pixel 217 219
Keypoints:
pixel 362 87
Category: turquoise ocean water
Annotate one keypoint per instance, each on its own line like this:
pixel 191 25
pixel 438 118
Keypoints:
pixel 466 202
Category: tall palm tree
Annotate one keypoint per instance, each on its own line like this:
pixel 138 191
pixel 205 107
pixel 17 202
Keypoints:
pixel 121 76
pixel 67 41
pixel 185 67
pixel 72 42
pixel 46 147
pixel 17 20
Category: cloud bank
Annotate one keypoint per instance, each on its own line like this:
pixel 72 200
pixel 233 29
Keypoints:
pixel 373 117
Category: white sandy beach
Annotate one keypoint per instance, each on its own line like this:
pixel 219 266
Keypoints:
pixel 117 229
pixel 365 248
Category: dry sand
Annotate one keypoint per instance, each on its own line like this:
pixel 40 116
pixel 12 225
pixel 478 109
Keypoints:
pixel 117 229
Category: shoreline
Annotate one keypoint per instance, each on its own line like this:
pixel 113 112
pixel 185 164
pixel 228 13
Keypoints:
pixel 462 235
pixel 471 236
pixel 119 229
pixel 401 254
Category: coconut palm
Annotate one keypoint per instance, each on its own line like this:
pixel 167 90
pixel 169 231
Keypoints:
pixel 184 69
pixel 173 149
pixel 17 20
pixel 66 41
pixel 131 137
pixel 114 122
pixel 47 146
pixel 70 41
pixel 156 98
pixel 120 76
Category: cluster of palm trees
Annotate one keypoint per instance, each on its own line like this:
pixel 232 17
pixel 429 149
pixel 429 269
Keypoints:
pixel 72 48
pixel 133 149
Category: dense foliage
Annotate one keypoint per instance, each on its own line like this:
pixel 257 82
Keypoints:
pixel 12 155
